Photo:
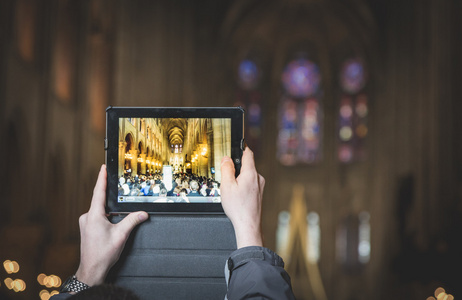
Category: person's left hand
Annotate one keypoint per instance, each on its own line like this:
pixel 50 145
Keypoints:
pixel 101 241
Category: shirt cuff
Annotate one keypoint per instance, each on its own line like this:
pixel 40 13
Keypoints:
pixel 243 255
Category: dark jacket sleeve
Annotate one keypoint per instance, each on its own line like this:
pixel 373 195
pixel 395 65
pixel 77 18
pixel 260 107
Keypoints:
pixel 61 296
pixel 257 273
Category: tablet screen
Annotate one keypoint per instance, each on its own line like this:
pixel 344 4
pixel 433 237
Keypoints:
pixel 171 160
pixel 168 159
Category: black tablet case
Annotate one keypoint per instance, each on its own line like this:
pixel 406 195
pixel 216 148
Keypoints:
pixel 176 257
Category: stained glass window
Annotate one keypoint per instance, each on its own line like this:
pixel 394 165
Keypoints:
pixel 353 111
pixel 301 78
pixel 345 133
pixel 248 74
pixel 309 131
pixel 300 114
pixel 353 77
pixel 288 132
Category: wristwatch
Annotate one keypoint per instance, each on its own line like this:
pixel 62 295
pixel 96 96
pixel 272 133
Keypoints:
pixel 73 285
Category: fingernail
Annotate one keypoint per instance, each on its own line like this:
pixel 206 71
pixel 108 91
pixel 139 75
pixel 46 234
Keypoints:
pixel 226 159
pixel 142 217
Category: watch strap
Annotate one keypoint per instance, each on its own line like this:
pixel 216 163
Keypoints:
pixel 73 285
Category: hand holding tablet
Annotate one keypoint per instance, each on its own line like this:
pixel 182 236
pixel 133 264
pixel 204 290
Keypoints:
pixel 101 241
pixel 242 200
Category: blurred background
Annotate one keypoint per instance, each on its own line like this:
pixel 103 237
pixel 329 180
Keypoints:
pixel 353 111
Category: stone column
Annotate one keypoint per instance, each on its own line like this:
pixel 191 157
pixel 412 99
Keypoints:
pixel 148 164
pixel 143 163
pixel 193 163
pixel 218 145
pixel 210 160
pixel 203 160
pixel 227 137
pixel 120 170
pixel 134 162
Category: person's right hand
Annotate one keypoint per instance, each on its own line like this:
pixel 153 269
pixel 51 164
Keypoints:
pixel 241 199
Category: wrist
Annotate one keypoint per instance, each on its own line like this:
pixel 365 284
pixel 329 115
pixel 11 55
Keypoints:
pixel 90 277
pixel 248 236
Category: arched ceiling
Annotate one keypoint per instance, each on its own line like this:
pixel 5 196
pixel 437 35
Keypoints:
pixel 175 129
pixel 262 26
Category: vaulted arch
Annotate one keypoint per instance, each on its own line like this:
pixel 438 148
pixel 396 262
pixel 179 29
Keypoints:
pixel 176 129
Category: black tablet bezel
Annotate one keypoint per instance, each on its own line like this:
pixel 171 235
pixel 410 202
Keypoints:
pixel 236 114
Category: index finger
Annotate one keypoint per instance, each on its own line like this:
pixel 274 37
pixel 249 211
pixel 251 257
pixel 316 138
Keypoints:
pixel 99 193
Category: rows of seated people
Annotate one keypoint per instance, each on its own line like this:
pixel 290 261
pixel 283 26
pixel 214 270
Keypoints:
pixel 182 185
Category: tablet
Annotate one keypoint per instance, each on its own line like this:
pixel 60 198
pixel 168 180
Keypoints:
pixel 167 160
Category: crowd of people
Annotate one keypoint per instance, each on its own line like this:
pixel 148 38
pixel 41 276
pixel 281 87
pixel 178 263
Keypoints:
pixel 183 185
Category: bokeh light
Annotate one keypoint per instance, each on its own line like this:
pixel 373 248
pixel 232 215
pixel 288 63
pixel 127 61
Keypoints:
pixel 11 266
pixel 439 291
pixel 41 278
pixel 49 281
pixel 440 294
pixel 19 285
pixel 8 283
pixel 44 295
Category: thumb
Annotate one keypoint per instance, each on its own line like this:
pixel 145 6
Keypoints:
pixel 131 221
pixel 227 171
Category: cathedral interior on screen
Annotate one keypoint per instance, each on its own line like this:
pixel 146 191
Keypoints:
pixel 161 159
pixel 352 108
